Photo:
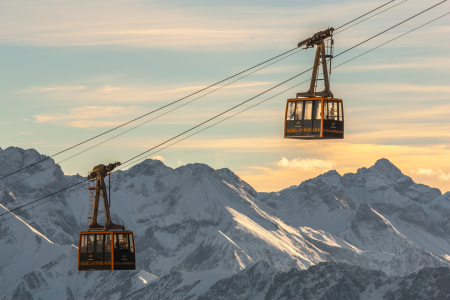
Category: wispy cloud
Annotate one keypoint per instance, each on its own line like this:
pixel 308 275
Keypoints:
pixel 88 116
pixel 60 88
pixel 25 132
pixel 180 26
pixel 4 123
pixel 139 93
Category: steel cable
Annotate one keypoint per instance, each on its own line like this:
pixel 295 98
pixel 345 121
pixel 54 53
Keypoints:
pixel 98 144
pixel 10 211
pixel 140 117
pixel 117 127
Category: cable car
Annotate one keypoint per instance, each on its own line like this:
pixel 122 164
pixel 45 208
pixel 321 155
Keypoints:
pixel 316 115
pixel 314 118
pixel 109 246
pixel 95 251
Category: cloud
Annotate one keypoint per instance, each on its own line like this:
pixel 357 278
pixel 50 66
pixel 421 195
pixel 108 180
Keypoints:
pixel 88 116
pixel 422 171
pixel 60 88
pixel 305 164
pixel 25 132
pixel 444 177
pixel 429 172
pixel 4 123
pixel 144 93
pixel 158 157
pixel 187 26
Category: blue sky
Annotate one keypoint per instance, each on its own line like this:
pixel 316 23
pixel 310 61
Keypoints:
pixel 73 69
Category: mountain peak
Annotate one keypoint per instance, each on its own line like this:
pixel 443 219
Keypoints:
pixel 231 178
pixel 386 168
pixel 148 167
pixel 14 158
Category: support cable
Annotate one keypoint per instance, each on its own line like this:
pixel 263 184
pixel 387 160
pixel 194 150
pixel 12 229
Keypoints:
pixel 140 117
pixel 132 128
pixel 98 144
pixel 257 96
pixel 173 102
pixel 125 165
pixel 218 115
pixel 364 14
pixel 370 17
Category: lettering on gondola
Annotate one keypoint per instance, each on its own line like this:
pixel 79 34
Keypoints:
pixel 295 130
pixel 333 131
pixel 95 263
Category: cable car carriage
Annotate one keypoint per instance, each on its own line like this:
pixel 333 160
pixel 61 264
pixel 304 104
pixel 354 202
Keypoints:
pixel 316 115
pixel 109 246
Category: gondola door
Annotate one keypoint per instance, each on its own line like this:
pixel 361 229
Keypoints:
pixel 94 251
pixel 294 115
pixel 333 119
pixel 124 251
pixel 317 118
pixel 307 118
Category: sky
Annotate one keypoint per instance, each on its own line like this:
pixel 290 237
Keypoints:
pixel 70 70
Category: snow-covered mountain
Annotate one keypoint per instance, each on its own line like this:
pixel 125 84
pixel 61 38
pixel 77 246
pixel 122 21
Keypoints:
pixel 196 226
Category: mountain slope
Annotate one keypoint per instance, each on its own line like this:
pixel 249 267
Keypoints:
pixel 377 210
pixel 194 219
pixel 331 281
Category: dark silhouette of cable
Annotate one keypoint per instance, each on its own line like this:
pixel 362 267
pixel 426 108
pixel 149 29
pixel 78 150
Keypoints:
pixel 193 100
pixel 42 198
pixel 173 102
pixel 222 113
pixel 125 165
pixel 370 17
pixel 140 117
pixel 33 207
pixel 364 14
pixel 254 98
pixel 384 31
pixel 391 40
pixel 54 165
